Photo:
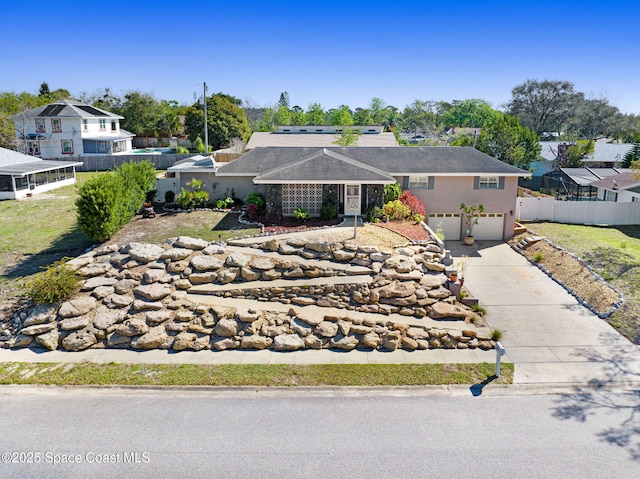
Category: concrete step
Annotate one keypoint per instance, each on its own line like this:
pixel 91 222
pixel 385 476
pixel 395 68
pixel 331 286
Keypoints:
pixel 213 288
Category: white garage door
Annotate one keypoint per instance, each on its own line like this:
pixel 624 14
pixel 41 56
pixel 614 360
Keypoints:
pixel 489 227
pixel 449 223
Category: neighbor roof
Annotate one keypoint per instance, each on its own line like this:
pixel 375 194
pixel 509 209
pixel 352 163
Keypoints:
pixel 586 176
pixel 395 161
pixel 261 139
pixel 621 181
pixel 18 164
pixel 602 152
pixel 66 109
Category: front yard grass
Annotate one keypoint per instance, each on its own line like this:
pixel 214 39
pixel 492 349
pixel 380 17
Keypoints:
pixel 614 253
pixel 85 374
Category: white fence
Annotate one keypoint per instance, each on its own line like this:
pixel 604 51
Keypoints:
pixel 578 212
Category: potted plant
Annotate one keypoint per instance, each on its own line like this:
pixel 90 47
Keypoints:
pixel 471 214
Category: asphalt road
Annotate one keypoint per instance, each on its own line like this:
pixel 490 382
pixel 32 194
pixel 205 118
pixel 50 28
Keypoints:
pixel 413 433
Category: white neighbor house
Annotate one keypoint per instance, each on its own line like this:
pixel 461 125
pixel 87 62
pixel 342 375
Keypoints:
pixel 68 128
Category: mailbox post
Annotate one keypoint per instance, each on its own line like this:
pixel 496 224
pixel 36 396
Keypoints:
pixel 499 353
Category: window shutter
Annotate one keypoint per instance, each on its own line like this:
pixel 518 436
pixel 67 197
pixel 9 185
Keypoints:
pixel 432 180
pixel 405 182
pixel 476 182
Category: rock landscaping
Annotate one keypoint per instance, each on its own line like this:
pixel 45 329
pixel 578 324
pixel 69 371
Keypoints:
pixel 145 296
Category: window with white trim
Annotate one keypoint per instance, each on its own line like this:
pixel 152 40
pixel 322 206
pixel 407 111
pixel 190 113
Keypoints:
pixel 419 181
pixel 113 126
pixel 67 147
pixel 85 127
pixel 488 183
pixel 40 128
pixel 56 125
pixel 103 124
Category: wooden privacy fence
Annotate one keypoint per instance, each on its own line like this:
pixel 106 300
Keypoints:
pixel 108 162
pixel 578 212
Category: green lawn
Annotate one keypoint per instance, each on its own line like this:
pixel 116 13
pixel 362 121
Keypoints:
pixel 251 374
pixel 614 253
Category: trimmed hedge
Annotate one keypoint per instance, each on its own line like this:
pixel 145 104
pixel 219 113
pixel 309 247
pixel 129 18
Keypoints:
pixel 107 202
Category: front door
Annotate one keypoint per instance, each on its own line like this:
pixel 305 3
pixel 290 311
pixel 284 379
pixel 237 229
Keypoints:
pixel 352 200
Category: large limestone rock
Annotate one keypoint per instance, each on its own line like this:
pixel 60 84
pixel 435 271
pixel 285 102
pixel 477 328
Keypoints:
pixel 396 290
pixel 116 301
pixel 238 260
pixel 226 327
pixel 79 322
pixel 190 243
pixel 370 340
pixel 346 343
pixel 38 329
pixel 176 254
pixel 439 293
pixel 328 329
pixel 153 275
pixel 249 275
pixel 97 281
pixel 77 307
pixel 300 327
pixel 106 318
pixel 433 280
pixel 214 249
pixel 287 342
pixel 402 264
pixel 255 341
pixel 49 340
pixel 152 292
pixel 202 278
pixel 132 327
pixel 43 313
pixel 445 310
pixel 125 285
pixel 153 339
pixel 184 341
pixel 95 269
pixel 206 263
pixel 225 343
pixel 144 252
pixel 227 275
pixel 79 340
pixel 262 263
pixel 342 255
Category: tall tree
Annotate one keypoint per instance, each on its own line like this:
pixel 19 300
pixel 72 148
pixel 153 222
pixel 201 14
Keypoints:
pixel 470 113
pixel 544 106
pixel 341 116
pixel 362 117
pixel 594 118
pixel 633 155
pixel 284 99
pixel 142 114
pixel 225 120
pixel 103 98
pixel 507 140
pixel 283 116
pixel 297 115
pixel 315 114
pixel 421 115
pixel 377 110
pixel 44 91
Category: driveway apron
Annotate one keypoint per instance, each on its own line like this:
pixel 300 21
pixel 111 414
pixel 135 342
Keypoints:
pixel 549 336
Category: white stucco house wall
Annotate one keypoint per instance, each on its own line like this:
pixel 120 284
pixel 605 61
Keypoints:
pixel 69 128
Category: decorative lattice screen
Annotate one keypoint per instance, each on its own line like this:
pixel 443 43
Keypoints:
pixel 301 196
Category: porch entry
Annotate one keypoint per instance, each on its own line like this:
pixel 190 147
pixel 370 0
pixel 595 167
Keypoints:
pixel 352 200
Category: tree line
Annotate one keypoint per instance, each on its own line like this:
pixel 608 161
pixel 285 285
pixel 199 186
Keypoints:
pixel 537 109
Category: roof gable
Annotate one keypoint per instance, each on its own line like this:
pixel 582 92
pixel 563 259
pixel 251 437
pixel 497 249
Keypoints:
pixel 325 166
pixel 66 109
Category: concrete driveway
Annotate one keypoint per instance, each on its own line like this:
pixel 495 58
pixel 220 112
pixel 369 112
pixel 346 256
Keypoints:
pixel 549 336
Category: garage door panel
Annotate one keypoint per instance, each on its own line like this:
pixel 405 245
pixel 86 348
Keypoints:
pixel 449 223
pixel 490 226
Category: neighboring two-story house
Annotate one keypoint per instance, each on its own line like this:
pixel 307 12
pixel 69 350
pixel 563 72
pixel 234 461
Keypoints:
pixel 69 128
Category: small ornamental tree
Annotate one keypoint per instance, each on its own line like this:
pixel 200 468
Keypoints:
pixel 471 214
pixel 415 205
pixel 101 207
pixel 198 145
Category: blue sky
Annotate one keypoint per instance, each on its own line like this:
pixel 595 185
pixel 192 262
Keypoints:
pixel 331 52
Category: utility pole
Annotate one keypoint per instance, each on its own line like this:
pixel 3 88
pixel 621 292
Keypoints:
pixel 206 130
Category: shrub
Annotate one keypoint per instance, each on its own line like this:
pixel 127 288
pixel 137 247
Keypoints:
pixel 100 206
pixel 169 196
pixel 375 214
pixel 392 192
pixel 396 210
pixel 252 211
pixel 415 205
pixel 496 335
pixel 181 150
pixel 257 199
pixel 328 212
pixel 537 257
pixel 198 145
pixel 301 214
pixel 224 203
pixel 194 198
pixel 56 284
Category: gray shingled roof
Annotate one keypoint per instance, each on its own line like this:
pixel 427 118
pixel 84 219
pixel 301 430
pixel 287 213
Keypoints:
pixel 395 161
pixel 15 163
pixel 66 109
pixel 325 166
pixel 621 181
pixel 602 152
